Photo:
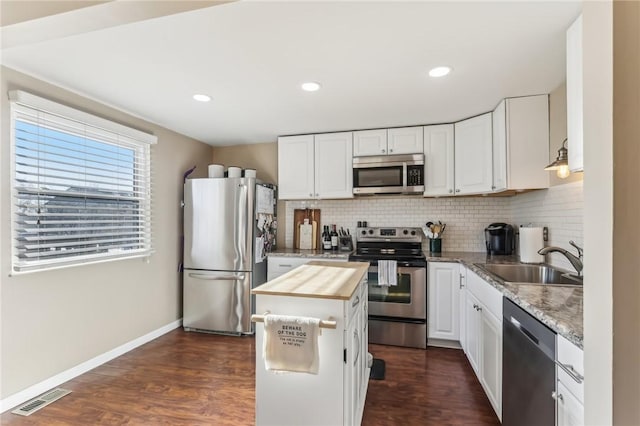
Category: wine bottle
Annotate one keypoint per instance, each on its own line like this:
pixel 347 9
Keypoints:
pixel 334 238
pixel 326 238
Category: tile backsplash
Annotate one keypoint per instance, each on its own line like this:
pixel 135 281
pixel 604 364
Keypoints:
pixel 559 208
pixel 465 217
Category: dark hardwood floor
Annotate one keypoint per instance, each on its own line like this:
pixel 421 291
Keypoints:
pixel 203 379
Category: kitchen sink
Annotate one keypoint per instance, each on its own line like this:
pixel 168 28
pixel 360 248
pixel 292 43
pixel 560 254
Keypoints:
pixel 531 274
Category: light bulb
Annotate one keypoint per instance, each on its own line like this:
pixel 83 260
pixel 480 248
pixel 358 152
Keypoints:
pixel 563 172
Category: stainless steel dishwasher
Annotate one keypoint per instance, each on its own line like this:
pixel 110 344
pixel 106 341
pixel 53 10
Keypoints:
pixel 528 369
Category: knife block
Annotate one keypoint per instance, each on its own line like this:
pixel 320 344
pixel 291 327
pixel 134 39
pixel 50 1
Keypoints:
pixel 345 243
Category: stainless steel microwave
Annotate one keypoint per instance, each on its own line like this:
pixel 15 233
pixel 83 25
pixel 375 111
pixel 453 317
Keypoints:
pixel 388 174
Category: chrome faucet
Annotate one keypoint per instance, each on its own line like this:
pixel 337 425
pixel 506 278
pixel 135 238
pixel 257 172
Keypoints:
pixel 575 261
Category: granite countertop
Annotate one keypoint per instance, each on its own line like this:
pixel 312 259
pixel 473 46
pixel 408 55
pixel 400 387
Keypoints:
pixel 319 254
pixel 559 308
pixel 317 279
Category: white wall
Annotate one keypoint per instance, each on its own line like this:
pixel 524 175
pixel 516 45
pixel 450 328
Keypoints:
pixel 598 208
pixel 53 321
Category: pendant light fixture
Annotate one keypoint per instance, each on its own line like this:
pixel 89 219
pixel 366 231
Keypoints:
pixel 561 165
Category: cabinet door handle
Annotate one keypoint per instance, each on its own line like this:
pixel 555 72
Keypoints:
pixel 284 266
pixel 451 191
pixel 391 150
pixel 355 302
pixel 384 150
pixel 461 284
pixel 357 340
pixel 557 396
pixel 310 195
pixel 457 190
pixel 568 368
pixel 493 187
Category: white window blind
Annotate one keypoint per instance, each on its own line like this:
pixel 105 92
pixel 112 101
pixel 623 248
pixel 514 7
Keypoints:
pixel 81 187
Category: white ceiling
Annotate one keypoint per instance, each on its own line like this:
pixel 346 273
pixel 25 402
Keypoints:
pixel 371 58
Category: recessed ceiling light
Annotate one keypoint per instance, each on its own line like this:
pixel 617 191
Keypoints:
pixel 202 98
pixel 311 86
pixel 439 71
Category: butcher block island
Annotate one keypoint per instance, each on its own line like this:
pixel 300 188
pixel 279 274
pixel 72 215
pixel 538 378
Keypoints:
pixel 299 382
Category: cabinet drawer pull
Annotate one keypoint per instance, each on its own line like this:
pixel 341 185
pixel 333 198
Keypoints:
pixel 568 368
pixel 284 266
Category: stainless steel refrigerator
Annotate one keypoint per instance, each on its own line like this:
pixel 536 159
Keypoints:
pixel 229 226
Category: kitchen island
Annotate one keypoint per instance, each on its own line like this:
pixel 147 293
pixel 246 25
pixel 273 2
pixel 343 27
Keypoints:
pixel 335 293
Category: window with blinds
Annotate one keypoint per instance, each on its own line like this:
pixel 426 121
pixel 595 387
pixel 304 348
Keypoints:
pixel 81 187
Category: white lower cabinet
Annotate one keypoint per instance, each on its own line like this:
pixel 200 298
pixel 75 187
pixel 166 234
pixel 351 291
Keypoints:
pixel 443 284
pixel 491 358
pixel 279 265
pixel 483 336
pixel 570 408
pixel 472 331
pixel 569 394
pixel 462 302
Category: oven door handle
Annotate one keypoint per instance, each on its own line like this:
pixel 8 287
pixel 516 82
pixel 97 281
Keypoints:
pixel 400 269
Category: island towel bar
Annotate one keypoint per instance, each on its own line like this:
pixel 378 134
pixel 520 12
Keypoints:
pixel 323 323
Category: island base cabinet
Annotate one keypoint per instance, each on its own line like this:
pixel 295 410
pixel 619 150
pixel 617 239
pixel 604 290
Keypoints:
pixel 336 395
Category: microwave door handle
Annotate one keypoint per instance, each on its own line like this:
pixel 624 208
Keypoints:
pixel 404 174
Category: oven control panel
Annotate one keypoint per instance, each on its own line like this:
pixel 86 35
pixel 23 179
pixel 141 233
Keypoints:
pixel 389 234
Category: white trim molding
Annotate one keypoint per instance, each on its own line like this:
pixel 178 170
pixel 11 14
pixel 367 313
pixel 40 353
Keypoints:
pixel 45 385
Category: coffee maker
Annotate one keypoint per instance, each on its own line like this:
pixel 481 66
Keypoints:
pixel 499 238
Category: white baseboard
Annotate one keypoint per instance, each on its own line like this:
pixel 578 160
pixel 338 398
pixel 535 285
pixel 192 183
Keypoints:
pixel 441 343
pixel 40 388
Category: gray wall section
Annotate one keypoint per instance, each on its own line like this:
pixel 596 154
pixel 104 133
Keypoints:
pixel 54 320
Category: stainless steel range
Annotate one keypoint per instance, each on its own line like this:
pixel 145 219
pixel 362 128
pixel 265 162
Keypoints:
pixel 398 313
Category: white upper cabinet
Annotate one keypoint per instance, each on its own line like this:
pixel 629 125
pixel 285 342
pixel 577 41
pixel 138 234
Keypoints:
pixel 438 160
pixel 574 96
pixel 500 147
pixel 370 142
pixel 405 140
pixel 473 155
pixel 315 166
pixel 401 140
pixel 296 180
pixel 333 165
pixel 521 143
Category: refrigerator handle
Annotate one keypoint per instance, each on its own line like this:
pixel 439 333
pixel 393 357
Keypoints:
pixel 217 277
pixel 242 228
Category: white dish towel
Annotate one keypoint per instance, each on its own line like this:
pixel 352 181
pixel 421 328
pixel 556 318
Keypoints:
pixel 291 344
pixel 387 272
